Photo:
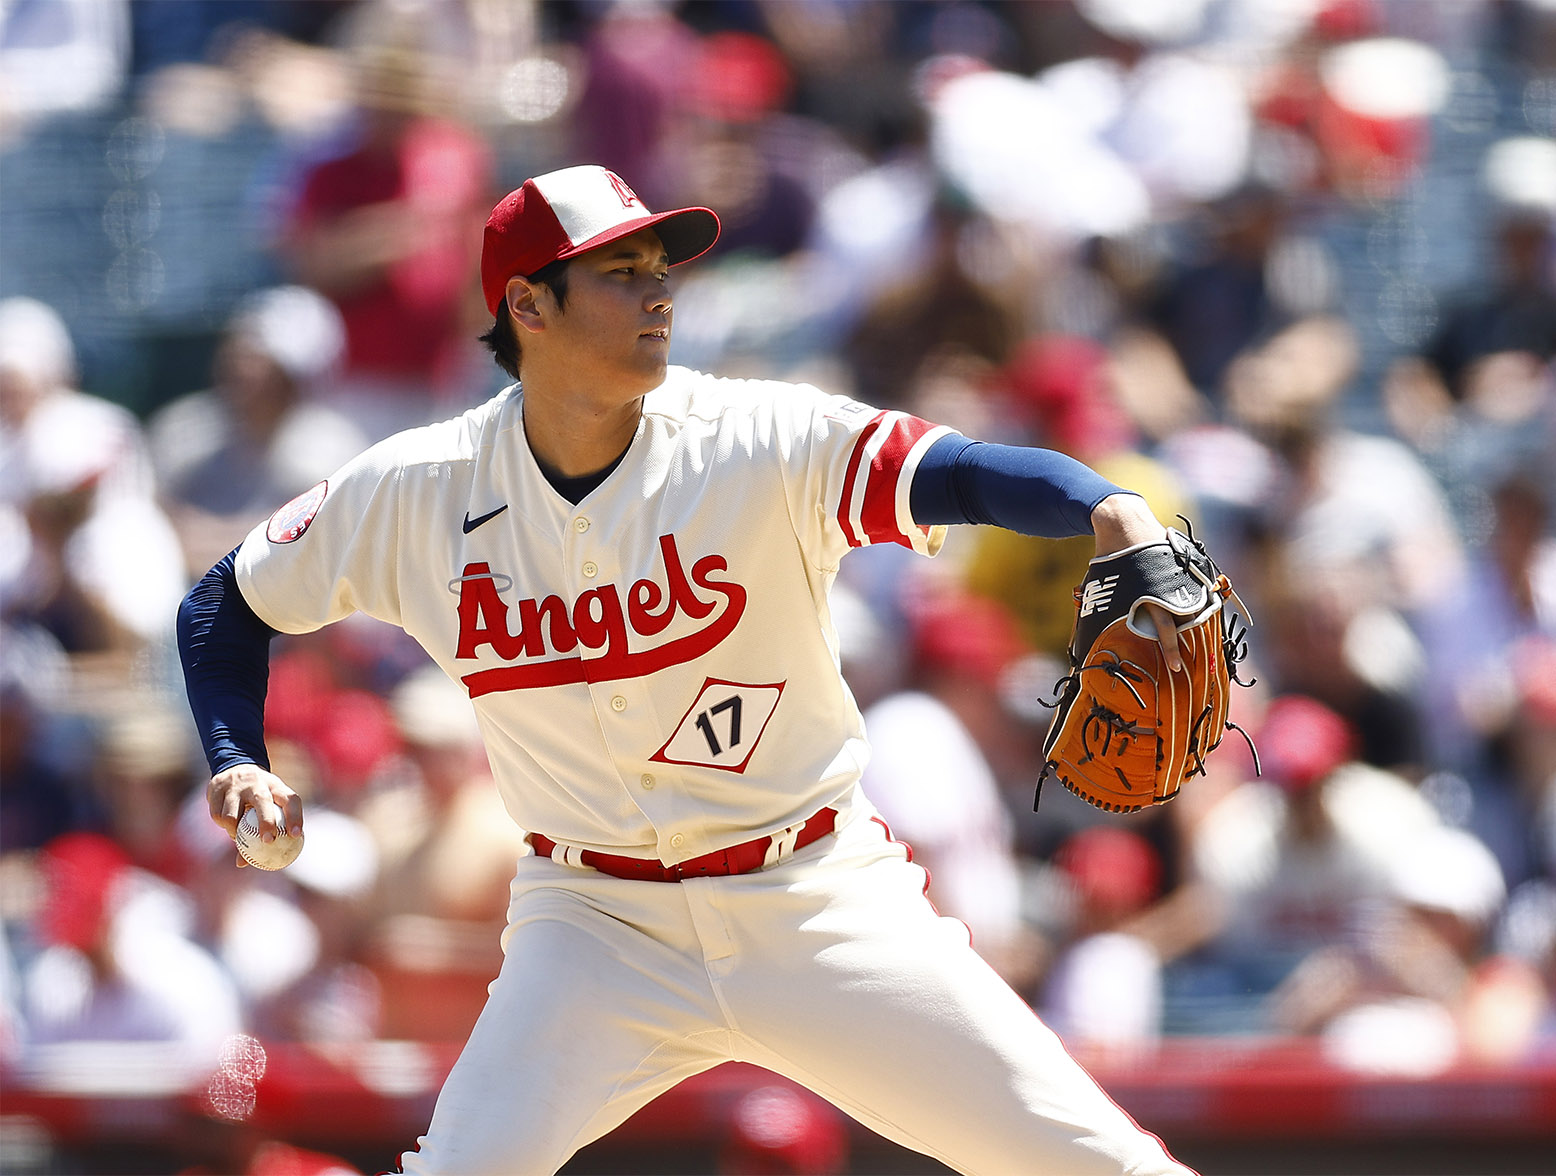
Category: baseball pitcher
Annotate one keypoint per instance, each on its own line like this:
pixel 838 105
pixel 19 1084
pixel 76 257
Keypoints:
pixel 626 565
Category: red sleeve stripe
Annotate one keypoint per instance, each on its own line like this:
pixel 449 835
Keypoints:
pixel 874 505
pixel 846 516
pixel 926 540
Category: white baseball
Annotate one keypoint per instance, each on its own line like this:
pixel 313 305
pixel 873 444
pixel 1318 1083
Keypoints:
pixel 266 855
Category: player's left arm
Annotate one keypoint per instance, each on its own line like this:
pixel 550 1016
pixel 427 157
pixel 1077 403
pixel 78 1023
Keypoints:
pixel 1035 492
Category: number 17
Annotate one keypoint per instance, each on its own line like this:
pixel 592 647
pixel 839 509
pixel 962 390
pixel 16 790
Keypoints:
pixel 705 723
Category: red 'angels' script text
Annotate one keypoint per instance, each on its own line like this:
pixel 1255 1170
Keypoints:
pixel 598 619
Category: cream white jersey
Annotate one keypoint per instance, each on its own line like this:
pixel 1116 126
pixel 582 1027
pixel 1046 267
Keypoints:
pixel 654 669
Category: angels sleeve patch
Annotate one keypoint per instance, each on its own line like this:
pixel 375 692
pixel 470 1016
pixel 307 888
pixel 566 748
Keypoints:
pixel 290 521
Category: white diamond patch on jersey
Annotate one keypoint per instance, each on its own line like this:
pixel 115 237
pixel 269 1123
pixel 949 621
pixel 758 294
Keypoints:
pixel 722 726
pixel 1098 594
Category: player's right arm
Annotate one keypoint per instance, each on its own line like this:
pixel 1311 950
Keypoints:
pixel 225 651
pixel 319 558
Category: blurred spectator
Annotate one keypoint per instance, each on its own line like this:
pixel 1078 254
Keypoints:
pixel 1060 388
pixel 144 768
pixel 1297 861
pixel 447 852
pixel 1347 108
pixel 933 785
pixel 389 231
pixel 39 402
pixel 1473 640
pixel 1093 145
pixel 1516 309
pixel 1353 537
pixel 1219 304
pixel 1173 112
pixel 1420 991
pixel 938 308
pixel 251 923
pixel 1023 155
pixel 738 153
pixel 227 457
pixel 113 966
pixel 447 849
pixel 88 551
pixel 1104 989
pixel 639 60
pixel 1479 396
pixel 326 700
pixel 846 69
pixel 1506 421
pixel 867 237
pixel 769 211
pixel 337 998
pixel 1346 500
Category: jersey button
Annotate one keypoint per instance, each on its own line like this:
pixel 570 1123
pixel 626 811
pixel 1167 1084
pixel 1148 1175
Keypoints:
pixel 591 569
pixel 580 525
pixel 647 781
pixel 677 841
pixel 618 703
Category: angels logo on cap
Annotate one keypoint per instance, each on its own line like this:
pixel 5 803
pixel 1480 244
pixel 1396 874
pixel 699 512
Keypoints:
pixel 564 213
pixel 290 521
pixel 628 196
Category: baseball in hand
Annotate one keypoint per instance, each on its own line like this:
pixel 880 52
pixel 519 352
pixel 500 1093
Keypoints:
pixel 266 855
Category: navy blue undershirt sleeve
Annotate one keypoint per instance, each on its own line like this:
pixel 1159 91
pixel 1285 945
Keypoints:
pixel 1032 491
pixel 225 649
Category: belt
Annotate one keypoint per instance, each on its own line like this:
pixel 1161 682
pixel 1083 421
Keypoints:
pixel 737 859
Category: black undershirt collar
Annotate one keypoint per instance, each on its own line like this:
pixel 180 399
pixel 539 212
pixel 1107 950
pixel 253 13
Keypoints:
pixel 575 490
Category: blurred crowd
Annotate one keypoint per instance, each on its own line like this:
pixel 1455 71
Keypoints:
pixel 1287 268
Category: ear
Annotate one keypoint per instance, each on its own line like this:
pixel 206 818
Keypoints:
pixel 526 303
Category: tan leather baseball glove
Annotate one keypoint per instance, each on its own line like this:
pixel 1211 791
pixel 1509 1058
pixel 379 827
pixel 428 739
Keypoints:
pixel 1127 731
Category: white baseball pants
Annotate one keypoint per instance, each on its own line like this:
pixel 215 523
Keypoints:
pixel 831 968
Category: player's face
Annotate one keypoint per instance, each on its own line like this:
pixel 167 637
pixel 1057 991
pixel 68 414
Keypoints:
pixel 615 323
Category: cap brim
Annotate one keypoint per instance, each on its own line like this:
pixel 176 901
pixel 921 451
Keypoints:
pixel 686 233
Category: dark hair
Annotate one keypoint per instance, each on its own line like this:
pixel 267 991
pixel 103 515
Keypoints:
pixel 503 339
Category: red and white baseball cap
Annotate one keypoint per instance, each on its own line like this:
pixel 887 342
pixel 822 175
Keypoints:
pixel 567 212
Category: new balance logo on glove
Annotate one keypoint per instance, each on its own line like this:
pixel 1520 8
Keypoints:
pixel 1097 594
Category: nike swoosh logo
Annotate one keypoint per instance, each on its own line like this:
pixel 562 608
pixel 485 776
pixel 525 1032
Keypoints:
pixel 471 524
